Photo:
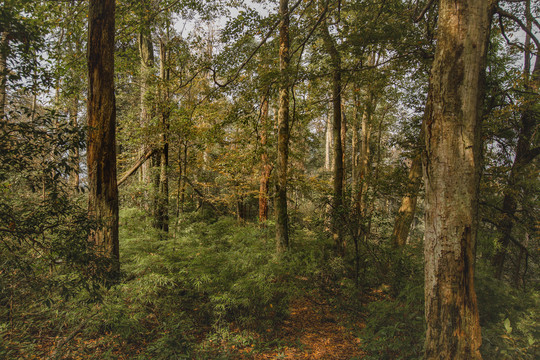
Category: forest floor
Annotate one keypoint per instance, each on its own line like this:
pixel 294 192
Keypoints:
pixel 315 330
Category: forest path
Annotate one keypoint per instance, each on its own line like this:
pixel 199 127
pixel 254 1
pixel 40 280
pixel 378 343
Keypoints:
pixel 314 331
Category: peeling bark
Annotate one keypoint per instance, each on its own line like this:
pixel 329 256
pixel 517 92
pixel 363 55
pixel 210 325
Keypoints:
pixel 452 169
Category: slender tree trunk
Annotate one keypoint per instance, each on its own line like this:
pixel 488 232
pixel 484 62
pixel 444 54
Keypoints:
pixel 4 50
pixel 524 156
pixel 146 52
pixel 344 144
pixel 266 169
pixel 328 144
pixel 405 216
pixel 452 169
pixel 103 191
pixel 364 163
pixel 337 200
pixel 354 150
pixel 162 196
pixel 282 226
pixel 75 155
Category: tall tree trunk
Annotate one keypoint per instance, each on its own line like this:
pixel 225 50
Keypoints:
pixel 146 52
pixel 282 226
pixel 344 143
pixel 4 50
pixel 162 196
pixel 337 200
pixel 354 149
pixel 328 144
pixel 364 158
pixel 103 191
pixel 452 169
pixel 524 156
pixel 266 166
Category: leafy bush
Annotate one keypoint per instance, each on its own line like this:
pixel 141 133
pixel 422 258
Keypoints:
pixel 509 319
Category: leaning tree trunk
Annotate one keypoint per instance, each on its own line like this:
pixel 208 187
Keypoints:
pixel 337 200
pixel 266 166
pixel 452 168
pixel 282 226
pixel 103 191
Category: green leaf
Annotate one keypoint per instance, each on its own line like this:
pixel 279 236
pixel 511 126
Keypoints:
pixel 507 326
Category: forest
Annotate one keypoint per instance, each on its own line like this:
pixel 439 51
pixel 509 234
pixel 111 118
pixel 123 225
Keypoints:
pixel 270 179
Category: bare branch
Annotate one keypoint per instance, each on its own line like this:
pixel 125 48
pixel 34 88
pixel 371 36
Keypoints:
pixel 521 25
pixel 424 11
pixel 134 168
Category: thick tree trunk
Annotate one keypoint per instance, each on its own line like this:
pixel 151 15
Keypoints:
pixel 103 191
pixel 282 226
pixel 524 156
pixel 266 167
pixel 337 200
pixel 405 216
pixel 452 168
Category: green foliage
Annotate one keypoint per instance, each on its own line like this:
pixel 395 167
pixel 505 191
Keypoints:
pixel 509 319
pixel 395 321
pixel 45 256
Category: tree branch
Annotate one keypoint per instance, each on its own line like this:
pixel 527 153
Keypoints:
pixel 424 11
pixel 134 168
pixel 521 25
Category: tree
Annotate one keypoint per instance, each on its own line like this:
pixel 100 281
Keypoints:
pixel 101 155
pixel 525 152
pixel 337 200
pixel 266 166
pixel 452 169
pixel 282 226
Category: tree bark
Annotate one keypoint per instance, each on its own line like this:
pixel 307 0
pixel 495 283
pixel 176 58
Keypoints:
pixel 103 191
pixel 452 169
pixel 266 166
pixel 282 226
pixel 337 200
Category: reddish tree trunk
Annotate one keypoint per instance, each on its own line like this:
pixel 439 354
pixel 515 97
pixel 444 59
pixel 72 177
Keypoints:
pixel 103 191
